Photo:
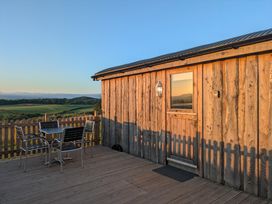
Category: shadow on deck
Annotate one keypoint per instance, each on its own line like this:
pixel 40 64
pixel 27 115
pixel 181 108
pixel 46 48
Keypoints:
pixel 110 177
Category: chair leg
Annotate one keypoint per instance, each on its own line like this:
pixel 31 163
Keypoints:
pixel 49 155
pixel 46 156
pixel 20 161
pixel 42 154
pixel 25 163
pixel 61 162
pixel 82 162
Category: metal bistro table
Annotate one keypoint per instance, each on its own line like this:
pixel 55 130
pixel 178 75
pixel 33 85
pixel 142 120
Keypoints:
pixel 51 131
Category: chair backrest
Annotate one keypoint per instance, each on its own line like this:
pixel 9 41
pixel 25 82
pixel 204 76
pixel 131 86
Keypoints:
pixel 89 126
pixel 20 133
pixel 73 134
pixel 49 124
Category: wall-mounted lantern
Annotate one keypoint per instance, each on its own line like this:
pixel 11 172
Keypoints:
pixel 159 89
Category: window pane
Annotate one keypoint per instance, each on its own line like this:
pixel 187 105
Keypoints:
pixel 182 90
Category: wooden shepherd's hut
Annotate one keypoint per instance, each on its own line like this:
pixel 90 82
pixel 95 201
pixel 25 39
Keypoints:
pixel 206 109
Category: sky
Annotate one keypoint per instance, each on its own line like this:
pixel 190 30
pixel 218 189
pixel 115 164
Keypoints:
pixel 54 46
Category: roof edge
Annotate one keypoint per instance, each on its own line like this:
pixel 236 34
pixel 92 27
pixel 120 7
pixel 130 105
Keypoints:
pixel 176 56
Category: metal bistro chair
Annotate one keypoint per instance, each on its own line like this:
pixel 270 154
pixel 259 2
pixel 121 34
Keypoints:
pixel 88 128
pixel 72 140
pixel 27 145
pixel 49 124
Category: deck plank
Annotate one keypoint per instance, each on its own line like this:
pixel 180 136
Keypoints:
pixel 107 177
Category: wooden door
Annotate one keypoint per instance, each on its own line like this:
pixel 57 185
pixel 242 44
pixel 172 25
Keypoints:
pixel 182 120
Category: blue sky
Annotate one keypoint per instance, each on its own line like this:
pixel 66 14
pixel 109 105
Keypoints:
pixel 55 46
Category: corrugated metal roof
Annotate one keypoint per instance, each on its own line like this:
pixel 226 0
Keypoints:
pixel 235 42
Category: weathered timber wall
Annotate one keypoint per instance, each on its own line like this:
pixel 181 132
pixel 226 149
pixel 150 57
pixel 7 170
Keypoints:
pixel 237 140
pixel 133 116
pixel 230 124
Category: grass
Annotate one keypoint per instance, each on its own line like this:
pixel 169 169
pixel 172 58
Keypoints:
pixel 13 112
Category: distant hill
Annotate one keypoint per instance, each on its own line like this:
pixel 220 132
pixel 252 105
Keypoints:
pixel 15 96
pixel 184 98
pixel 83 100
pixel 78 100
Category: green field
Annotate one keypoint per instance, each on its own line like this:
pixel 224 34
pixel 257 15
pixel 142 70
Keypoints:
pixel 25 111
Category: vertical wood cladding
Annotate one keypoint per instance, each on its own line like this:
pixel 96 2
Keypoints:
pixel 228 133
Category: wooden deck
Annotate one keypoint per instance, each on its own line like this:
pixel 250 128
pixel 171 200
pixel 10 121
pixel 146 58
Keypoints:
pixel 110 177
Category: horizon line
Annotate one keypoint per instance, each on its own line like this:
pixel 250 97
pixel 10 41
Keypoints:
pixel 25 92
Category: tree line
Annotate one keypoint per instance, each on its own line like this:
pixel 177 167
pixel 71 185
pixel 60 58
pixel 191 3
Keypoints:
pixel 61 101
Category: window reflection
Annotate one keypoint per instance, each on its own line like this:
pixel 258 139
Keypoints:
pixel 182 90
